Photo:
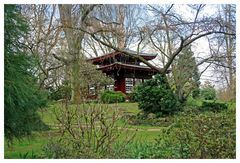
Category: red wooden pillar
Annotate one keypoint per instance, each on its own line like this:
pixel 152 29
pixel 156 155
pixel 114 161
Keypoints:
pixel 120 85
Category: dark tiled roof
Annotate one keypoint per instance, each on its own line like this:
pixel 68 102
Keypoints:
pixel 112 53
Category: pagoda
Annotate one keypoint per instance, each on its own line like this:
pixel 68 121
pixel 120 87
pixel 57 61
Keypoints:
pixel 125 70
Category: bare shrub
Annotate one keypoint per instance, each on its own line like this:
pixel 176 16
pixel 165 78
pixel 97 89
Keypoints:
pixel 88 131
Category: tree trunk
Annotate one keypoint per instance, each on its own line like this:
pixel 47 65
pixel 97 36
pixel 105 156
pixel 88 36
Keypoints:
pixel 121 31
pixel 75 82
pixel 74 41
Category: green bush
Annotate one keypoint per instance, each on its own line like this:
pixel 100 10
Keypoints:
pixel 213 106
pixel 208 93
pixel 155 96
pixel 131 97
pixel 196 93
pixel 205 135
pixel 62 92
pixel 140 150
pixel 112 97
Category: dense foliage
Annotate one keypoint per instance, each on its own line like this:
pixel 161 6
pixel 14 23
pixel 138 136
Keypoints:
pixel 196 93
pixel 155 96
pixel 21 96
pixel 208 93
pixel 204 135
pixel 213 106
pixel 112 97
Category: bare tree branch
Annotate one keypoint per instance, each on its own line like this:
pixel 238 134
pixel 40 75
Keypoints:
pixel 86 13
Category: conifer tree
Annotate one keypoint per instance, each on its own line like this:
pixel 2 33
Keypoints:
pixel 21 96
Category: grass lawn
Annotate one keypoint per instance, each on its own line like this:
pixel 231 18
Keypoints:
pixel 32 146
pixel 29 147
pixel 47 114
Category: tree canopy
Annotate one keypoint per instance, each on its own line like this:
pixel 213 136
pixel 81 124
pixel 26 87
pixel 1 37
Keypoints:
pixel 21 96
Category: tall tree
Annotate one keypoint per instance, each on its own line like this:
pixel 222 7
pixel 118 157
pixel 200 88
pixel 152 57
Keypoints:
pixel 229 50
pixel 223 50
pixel 21 95
pixel 230 43
pixel 185 74
pixel 74 16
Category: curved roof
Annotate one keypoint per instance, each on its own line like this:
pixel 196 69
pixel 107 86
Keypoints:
pixel 96 60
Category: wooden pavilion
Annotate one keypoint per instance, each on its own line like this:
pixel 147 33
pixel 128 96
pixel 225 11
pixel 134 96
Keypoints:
pixel 126 71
